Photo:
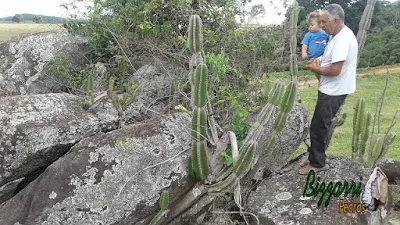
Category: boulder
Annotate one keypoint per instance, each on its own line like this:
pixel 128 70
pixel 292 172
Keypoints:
pixel 22 61
pixel 154 90
pixel 279 198
pixel 37 129
pixel 391 168
pixel 112 178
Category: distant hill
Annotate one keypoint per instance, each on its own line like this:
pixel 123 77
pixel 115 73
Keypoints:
pixel 28 19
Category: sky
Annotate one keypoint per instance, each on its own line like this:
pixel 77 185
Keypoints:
pixel 52 8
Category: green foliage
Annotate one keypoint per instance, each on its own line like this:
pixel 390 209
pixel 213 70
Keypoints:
pixel 381 49
pixel 218 67
pixel 64 73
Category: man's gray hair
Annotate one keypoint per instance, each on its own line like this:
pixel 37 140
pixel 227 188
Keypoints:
pixel 334 11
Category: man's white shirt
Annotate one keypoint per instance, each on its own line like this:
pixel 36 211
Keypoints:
pixel 342 47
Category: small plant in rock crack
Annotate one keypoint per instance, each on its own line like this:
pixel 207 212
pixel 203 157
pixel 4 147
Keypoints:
pixel 88 91
pixel 122 103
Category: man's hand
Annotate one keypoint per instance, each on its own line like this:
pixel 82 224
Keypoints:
pixel 304 56
pixel 313 65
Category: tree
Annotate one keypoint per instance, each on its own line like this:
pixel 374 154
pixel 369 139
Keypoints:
pixel 17 18
pixel 37 19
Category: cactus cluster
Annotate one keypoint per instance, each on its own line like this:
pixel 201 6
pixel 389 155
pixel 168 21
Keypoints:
pixel 379 143
pixel 231 177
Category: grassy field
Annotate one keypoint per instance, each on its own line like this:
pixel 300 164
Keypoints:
pixel 7 31
pixel 370 88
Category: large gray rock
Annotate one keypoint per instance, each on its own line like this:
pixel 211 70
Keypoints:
pixel 23 59
pixel 289 139
pixel 112 178
pixel 154 92
pixel 37 129
pixel 279 198
pixel 391 168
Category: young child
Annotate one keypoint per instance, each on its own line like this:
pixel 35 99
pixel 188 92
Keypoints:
pixel 315 40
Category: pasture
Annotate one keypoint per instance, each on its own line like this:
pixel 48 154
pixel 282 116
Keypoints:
pixel 7 31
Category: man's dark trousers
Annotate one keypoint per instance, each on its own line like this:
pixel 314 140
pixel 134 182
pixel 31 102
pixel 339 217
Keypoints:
pixel 325 110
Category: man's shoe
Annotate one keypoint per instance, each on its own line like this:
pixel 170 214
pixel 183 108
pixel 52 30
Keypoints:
pixel 307 169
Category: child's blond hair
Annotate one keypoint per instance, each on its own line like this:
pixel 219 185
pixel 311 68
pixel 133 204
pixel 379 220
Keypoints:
pixel 313 16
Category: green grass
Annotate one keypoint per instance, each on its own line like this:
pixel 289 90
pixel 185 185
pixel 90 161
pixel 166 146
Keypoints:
pixel 7 31
pixel 370 88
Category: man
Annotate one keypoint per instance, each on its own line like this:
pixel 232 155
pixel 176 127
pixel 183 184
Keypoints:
pixel 337 70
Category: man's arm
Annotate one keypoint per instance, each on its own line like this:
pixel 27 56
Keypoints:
pixel 333 69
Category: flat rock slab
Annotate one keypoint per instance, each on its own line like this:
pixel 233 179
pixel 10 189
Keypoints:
pixel 37 129
pixel 111 178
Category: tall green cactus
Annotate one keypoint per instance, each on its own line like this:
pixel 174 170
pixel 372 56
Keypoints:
pixel 199 124
pixel 294 14
pixel 358 120
pixel 380 151
pixel 195 40
pixel 375 149
pixel 364 136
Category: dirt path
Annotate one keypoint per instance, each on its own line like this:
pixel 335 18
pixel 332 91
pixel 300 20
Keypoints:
pixel 369 72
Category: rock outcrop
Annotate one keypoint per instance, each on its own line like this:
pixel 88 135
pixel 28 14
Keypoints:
pixel 113 178
pixel 22 61
pixel 279 198
pixel 38 129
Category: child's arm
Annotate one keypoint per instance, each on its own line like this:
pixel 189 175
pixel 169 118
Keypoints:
pixel 304 49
